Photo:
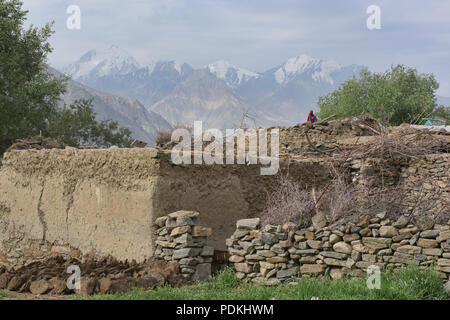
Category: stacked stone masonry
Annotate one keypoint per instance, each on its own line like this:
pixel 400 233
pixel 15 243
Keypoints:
pixel 180 238
pixel 273 254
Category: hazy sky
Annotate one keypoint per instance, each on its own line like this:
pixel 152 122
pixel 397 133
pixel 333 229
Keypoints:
pixel 256 34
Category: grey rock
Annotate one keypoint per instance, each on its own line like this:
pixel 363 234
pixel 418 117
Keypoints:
pixel 248 224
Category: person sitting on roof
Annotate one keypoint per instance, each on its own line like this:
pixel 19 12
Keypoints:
pixel 312 117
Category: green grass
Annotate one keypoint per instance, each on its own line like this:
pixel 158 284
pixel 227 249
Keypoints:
pixel 4 293
pixel 407 284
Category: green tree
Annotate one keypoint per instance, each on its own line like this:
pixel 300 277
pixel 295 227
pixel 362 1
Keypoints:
pixel 29 93
pixel 75 125
pixel 442 112
pixel 399 95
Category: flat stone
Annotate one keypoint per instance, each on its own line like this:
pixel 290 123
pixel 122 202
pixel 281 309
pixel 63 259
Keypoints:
pixel 183 213
pixel 429 234
pixel 286 273
pixel 388 232
pixel 427 243
pixel 401 237
pixel 314 244
pixel 409 249
pixel 266 253
pixel 276 259
pixel 351 237
pixel 236 259
pixel 445 235
pixel 166 244
pixel 311 268
pixel 443 262
pixel 243 267
pixel 266 265
pixel 334 262
pixel 254 257
pixel 377 243
pixel 180 230
pixel 335 255
pixel 342 247
pixel 306 252
pixel 185 252
pixel 432 251
pixel 248 224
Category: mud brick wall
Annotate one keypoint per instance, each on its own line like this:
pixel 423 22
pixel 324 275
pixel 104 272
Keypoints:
pixel 272 254
pixel 180 238
pixel 103 202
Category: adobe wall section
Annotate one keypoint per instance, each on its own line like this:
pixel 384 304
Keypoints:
pixel 103 202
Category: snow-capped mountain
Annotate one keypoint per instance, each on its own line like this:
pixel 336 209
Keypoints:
pixel 281 95
pixel 231 74
pixel 95 64
pixel 144 124
pixel 317 69
pixel 117 72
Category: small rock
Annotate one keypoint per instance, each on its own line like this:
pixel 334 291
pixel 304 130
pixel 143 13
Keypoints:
pixel 202 272
pixel 401 222
pixel 388 232
pixel 39 286
pixel 425 223
pixel 342 247
pixel 319 220
pixel 248 224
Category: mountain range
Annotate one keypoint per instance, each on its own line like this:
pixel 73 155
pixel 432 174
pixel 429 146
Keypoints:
pixel 221 94
pixel 128 112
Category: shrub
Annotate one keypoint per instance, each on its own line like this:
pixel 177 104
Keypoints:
pixel 288 203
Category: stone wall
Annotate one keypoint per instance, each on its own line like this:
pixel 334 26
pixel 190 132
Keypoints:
pixel 180 238
pixel 273 254
pixel 427 185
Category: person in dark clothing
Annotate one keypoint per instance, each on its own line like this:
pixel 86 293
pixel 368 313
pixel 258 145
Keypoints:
pixel 312 117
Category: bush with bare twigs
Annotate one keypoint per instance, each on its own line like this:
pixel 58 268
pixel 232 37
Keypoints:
pixel 288 203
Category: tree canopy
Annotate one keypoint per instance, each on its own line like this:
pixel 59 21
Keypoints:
pixel 399 95
pixel 29 93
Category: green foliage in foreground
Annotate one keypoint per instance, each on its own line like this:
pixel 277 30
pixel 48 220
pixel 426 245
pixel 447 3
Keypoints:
pixel 407 284
pixel 4 293
pixel 30 93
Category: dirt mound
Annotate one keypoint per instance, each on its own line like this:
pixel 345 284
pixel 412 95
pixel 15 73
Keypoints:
pixel 37 143
pixel 106 276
